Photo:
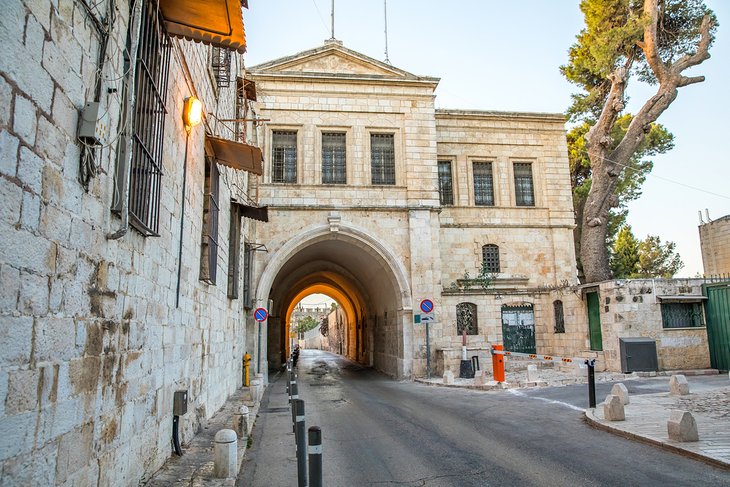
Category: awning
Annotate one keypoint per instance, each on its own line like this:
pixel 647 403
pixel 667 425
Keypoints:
pixel 215 22
pixel 236 154
pixel 253 212
pixel 683 298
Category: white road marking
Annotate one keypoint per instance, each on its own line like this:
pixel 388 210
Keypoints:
pixel 549 401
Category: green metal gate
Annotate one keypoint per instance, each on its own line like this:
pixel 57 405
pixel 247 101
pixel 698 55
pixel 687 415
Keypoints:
pixel 717 312
pixel 518 329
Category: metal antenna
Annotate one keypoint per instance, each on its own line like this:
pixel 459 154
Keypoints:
pixel 385 8
pixel 333 20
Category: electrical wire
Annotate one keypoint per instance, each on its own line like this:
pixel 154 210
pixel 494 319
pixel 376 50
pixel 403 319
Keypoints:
pixel 319 14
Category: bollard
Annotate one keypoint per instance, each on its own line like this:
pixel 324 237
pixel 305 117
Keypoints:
pixel 315 456
pixel 225 454
pixel 294 397
pixel 293 387
pixel 241 421
pixel 498 363
pixel 591 382
pixel 301 443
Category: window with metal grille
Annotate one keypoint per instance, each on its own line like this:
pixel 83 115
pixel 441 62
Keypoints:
pixel 490 258
pixel 483 184
pixel 382 158
pixel 284 156
pixel 145 177
pixel 559 316
pixel 524 195
pixel 446 185
pixel 209 244
pixel 682 315
pixel 334 169
pixel 234 252
pixel 220 64
pixel 466 319
pixel 247 254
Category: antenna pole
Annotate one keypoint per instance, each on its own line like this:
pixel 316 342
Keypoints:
pixel 385 8
pixel 333 19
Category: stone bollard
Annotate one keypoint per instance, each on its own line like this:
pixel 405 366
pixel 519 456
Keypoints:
pixel 448 377
pixel 621 391
pixel 241 422
pixel 682 426
pixel 613 409
pixel 225 453
pixel 481 378
pixel 678 385
pixel 532 373
pixel 256 390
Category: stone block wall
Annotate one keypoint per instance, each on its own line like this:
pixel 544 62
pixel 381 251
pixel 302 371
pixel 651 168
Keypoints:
pixel 92 344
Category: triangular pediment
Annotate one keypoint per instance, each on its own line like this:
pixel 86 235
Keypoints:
pixel 335 60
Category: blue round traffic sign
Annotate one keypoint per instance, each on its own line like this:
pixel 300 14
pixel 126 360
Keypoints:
pixel 260 314
pixel 426 305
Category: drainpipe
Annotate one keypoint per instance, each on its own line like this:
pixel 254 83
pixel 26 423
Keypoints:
pixel 136 22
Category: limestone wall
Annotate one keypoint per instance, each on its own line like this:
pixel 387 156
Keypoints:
pixel 92 344
pixel 715 245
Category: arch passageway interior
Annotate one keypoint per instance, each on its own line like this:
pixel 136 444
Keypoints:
pixel 362 279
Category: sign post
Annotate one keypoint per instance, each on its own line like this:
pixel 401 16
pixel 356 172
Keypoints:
pixel 427 308
pixel 259 315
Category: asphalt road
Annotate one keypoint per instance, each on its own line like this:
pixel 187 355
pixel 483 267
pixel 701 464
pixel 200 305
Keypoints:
pixel 382 432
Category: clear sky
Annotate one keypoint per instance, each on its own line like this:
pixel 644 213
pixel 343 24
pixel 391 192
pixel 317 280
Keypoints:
pixel 504 55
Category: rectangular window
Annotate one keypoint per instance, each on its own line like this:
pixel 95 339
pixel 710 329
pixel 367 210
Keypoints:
pixel 682 315
pixel 145 178
pixel 382 158
pixel 333 158
pixel 446 185
pixel 284 156
pixel 247 254
pixel 234 251
pixel 483 184
pixel 209 244
pixel 524 195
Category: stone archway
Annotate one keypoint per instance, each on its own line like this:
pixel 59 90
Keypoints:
pixel 364 273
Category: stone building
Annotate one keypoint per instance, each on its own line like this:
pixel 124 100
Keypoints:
pixel 380 200
pixel 715 245
pixel 122 271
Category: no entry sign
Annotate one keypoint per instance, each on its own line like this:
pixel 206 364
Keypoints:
pixel 426 305
pixel 260 314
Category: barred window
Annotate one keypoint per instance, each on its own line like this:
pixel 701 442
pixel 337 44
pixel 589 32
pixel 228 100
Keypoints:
pixel 382 158
pixel 466 319
pixel 682 315
pixel 234 251
pixel 333 158
pixel 247 254
pixel 483 184
pixel 524 195
pixel 284 156
pixel 446 185
pixel 559 316
pixel 145 177
pixel 220 63
pixel 209 244
pixel 490 258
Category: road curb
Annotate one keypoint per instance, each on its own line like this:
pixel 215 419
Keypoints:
pixel 592 420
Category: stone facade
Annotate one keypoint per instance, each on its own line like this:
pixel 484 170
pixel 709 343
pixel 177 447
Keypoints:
pixel 715 245
pixel 379 249
pixel 92 342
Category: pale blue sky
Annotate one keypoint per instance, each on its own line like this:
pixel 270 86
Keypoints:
pixel 504 55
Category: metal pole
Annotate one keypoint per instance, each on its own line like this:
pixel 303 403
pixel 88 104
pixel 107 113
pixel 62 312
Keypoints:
pixel 315 456
pixel 428 353
pixel 591 382
pixel 258 355
pixel 301 443
pixel 294 398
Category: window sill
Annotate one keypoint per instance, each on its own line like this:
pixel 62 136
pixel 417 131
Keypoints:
pixel 703 327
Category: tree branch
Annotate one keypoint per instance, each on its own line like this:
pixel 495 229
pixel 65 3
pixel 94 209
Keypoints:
pixel 689 80
pixel 649 44
pixel 703 49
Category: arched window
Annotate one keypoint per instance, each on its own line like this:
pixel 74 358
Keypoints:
pixel 466 319
pixel 559 316
pixel 490 258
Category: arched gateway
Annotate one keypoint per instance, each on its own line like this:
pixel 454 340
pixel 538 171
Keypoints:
pixel 361 273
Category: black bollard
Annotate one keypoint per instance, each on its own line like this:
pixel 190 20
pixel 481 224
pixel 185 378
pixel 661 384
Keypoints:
pixel 301 442
pixel 591 382
pixel 315 456
pixel 294 397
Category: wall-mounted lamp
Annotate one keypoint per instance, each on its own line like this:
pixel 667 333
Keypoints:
pixel 192 112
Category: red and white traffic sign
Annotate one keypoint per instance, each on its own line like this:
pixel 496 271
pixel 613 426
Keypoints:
pixel 426 305
pixel 260 314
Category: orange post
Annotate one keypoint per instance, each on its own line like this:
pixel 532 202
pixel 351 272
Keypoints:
pixel 498 364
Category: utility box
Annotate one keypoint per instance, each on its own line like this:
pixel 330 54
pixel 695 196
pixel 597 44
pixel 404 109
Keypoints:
pixel 180 403
pixel 638 355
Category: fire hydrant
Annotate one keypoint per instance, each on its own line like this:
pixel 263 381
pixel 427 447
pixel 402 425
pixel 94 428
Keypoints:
pixel 246 364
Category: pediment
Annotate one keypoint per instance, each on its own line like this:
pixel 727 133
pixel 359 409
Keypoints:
pixel 332 59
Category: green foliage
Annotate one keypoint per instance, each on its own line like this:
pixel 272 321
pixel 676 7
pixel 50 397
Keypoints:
pixel 305 324
pixel 631 258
